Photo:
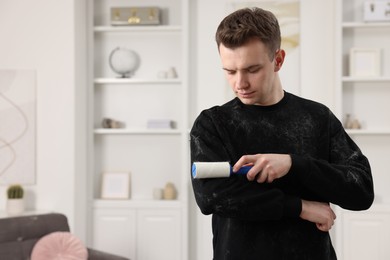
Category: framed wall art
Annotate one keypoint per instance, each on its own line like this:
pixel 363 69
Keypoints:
pixel 18 126
pixel 115 185
pixel 364 62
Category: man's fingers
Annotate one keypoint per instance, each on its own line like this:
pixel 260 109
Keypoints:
pixel 261 177
pixel 253 173
pixel 322 227
pixel 325 227
pixel 244 160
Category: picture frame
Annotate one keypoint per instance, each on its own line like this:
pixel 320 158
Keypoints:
pixel 115 185
pixel 364 62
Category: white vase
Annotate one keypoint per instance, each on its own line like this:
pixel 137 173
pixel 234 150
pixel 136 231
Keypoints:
pixel 15 206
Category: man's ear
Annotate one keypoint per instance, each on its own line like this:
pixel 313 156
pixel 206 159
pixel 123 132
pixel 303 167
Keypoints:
pixel 279 59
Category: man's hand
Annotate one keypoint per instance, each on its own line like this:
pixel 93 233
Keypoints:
pixel 319 213
pixel 266 167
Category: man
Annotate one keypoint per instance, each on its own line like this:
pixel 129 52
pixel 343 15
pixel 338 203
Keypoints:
pixel 301 156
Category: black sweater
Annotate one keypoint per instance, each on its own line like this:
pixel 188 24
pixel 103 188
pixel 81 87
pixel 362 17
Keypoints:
pixel 261 221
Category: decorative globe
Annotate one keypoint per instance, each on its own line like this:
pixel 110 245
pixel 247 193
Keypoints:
pixel 124 61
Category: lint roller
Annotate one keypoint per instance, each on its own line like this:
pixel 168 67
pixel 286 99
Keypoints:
pixel 215 170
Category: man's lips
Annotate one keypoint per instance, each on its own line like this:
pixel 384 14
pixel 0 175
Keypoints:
pixel 246 94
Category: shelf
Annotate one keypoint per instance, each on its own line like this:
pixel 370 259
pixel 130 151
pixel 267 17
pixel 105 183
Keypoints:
pixel 139 219
pixel 368 131
pixel 137 29
pixel 135 81
pixel 365 25
pixel 365 79
pixel 136 131
pixel 365 99
pixel 137 204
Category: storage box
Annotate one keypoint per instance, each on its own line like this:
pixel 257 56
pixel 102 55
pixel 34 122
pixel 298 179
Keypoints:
pixel 377 11
pixel 135 15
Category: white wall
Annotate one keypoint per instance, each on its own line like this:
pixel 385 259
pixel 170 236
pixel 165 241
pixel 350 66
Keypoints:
pixel 207 78
pixel 318 53
pixel 42 35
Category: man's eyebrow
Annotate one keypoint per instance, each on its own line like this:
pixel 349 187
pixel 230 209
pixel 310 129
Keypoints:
pixel 255 66
pixel 227 69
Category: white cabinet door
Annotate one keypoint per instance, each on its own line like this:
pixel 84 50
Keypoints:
pixel 114 231
pixel 366 235
pixel 158 234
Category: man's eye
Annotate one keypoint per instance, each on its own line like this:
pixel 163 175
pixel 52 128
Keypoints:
pixel 253 70
pixel 230 72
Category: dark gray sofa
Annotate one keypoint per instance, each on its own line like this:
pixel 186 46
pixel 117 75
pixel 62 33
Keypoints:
pixel 18 236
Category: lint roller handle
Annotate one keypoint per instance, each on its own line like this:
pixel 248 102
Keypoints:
pixel 243 170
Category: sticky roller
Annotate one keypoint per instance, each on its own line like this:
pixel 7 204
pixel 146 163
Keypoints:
pixel 215 170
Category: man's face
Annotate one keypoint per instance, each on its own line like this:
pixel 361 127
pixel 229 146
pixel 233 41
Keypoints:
pixel 251 73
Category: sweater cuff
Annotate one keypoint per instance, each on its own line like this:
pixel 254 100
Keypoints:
pixel 298 165
pixel 292 207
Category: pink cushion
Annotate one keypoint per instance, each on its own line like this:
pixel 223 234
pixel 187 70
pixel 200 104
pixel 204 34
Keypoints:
pixel 59 246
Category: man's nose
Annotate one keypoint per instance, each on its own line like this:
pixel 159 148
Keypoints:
pixel 241 81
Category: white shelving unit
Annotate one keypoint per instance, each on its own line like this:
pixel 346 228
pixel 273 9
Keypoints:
pixel 153 157
pixel 362 235
pixel 142 29
pixel 133 81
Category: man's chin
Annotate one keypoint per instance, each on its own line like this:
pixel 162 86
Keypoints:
pixel 247 101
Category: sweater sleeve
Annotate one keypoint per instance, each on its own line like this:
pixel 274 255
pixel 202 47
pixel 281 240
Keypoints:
pixel 345 179
pixel 235 196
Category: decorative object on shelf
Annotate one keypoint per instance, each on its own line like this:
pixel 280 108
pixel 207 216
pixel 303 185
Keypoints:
pixel 377 11
pixel 135 15
pixel 170 192
pixel 115 185
pixel 111 123
pixel 158 193
pixel 15 201
pixel 351 123
pixel 171 73
pixel 161 124
pixel 364 62
pixel 124 61
pixel 348 121
pixel 356 124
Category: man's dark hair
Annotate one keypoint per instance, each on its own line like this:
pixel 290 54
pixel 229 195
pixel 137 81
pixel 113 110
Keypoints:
pixel 245 24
